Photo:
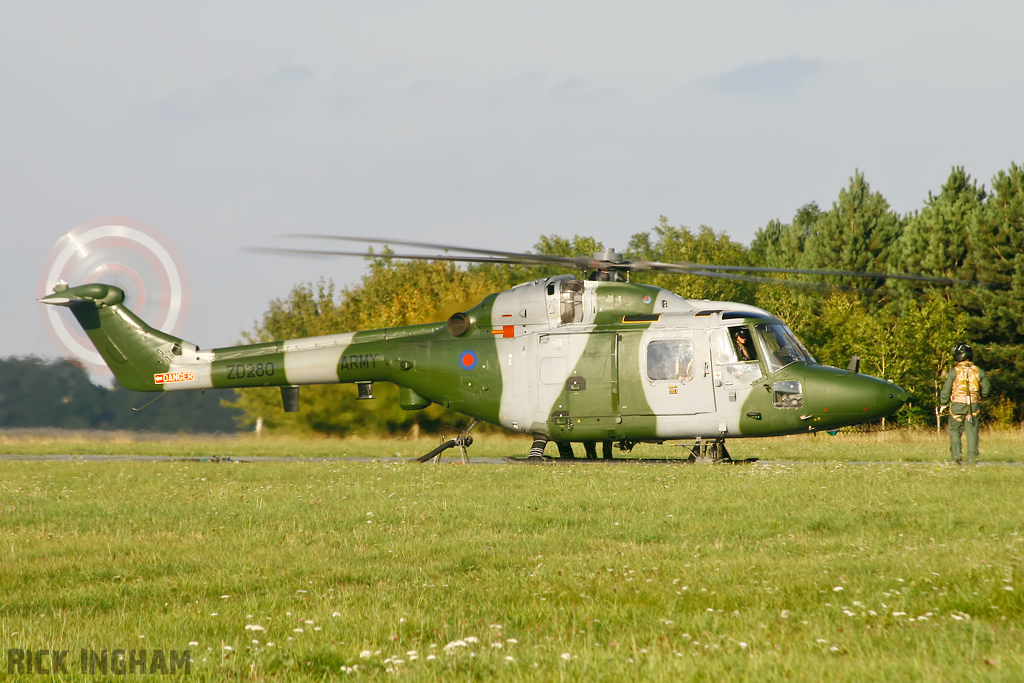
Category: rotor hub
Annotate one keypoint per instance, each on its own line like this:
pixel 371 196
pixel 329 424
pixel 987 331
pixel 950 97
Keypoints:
pixel 608 256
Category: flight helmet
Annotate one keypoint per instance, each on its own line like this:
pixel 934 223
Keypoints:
pixel 962 352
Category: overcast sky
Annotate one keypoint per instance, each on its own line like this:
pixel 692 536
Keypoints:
pixel 225 124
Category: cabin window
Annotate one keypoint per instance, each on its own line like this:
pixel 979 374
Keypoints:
pixel 788 394
pixel 670 359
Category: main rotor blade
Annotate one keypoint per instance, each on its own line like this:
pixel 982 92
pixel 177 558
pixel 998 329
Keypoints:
pixel 363 254
pixel 728 272
pixel 581 262
pixel 685 268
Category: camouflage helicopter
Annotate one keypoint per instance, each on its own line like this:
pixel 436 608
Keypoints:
pixel 594 360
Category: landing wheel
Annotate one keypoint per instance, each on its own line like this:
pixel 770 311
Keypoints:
pixel 539 443
pixel 710 451
pixel 591 448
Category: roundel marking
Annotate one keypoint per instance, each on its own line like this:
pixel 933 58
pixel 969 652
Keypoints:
pixel 647 298
pixel 467 360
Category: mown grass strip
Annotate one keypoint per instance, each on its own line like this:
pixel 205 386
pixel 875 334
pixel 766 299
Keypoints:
pixel 316 570
pixel 1003 445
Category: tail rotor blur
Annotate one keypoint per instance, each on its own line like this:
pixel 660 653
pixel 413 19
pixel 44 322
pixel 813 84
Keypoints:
pixel 123 252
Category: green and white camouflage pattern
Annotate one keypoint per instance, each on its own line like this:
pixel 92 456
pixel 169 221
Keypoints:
pixel 556 358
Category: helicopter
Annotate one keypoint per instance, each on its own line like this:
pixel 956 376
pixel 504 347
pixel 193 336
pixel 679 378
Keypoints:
pixel 563 359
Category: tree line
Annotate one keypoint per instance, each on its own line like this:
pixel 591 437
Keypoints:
pixel 38 392
pixel 902 331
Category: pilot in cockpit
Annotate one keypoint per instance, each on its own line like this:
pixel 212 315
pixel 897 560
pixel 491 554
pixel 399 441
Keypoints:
pixel 744 345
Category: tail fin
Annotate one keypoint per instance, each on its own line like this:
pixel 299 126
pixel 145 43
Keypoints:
pixel 134 351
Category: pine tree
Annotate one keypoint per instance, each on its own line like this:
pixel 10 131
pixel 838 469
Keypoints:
pixel 996 258
pixel 858 234
pixel 934 241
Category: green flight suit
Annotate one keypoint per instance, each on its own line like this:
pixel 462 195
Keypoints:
pixel 967 385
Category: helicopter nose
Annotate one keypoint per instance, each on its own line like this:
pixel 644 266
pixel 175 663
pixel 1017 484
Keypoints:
pixel 892 400
pixel 848 395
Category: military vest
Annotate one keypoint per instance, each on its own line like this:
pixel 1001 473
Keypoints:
pixel 966 384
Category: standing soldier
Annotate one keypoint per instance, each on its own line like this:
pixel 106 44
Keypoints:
pixel 965 386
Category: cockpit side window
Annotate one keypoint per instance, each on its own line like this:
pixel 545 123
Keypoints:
pixel 726 353
pixel 670 359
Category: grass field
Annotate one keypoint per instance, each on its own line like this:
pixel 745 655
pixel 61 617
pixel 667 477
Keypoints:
pixel 805 566
pixel 1000 446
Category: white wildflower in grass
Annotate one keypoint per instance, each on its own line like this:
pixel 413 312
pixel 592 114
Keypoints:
pixel 472 639
pixel 270 644
pixel 308 621
pixel 511 641
pixel 431 657
pixel 821 641
pixel 566 656
pixel 743 646
pixel 255 642
pixel 336 614
pixel 193 643
pixel 837 589
pixel 224 597
pixel 410 653
pixel 213 614
pixel 455 645
pixel 496 644
pixel 496 627
pixel 365 654
pixel 784 614
pixel 228 648
pixel 254 627
pixel 833 649
pixel 297 630
pixel 1007 588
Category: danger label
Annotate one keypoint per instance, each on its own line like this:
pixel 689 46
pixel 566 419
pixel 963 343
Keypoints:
pixel 169 377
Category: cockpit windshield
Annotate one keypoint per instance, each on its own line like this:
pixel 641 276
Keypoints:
pixel 781 347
